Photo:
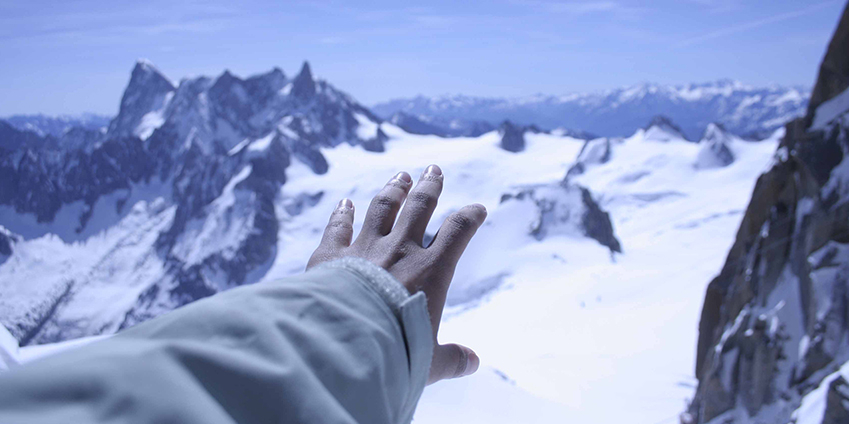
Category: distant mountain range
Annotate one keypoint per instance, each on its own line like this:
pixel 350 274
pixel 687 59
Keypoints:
pixel 57 126
pixel 752 112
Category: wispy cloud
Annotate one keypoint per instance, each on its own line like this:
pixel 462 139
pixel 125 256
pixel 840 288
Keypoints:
pixel 578 9
pixel 719 6
pixel 752 25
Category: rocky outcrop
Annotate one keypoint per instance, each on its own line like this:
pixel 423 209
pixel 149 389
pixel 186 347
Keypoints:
pixel 774 321
pixel 7 243
pixel 512 137
pixel 715 151
pixel 567 209
pixel 594 152
pixel 837 402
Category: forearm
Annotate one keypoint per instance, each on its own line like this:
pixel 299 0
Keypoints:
pixel 326 346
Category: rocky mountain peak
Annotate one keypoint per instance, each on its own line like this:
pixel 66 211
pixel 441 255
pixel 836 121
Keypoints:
pixel 146 91
pixel 833 77
pixel 661 128
pixel 303 86
pixel 145 74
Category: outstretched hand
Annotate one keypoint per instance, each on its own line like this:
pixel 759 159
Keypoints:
pixel 397 247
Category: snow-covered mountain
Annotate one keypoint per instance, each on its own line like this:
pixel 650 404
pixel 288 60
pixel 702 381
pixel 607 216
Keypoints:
pixel 177 201
pixel 569 280
pixel 744 110
pixel 593 259
pixel 57 126
pixel 581 293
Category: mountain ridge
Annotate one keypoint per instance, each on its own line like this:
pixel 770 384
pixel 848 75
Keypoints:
pixel 744 110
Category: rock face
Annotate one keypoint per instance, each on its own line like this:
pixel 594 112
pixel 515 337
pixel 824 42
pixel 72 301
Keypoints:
pixel 837 402
pixel 512 137
pixel 567 209
pixel 775 320
pixel 7 243
pixel 198 165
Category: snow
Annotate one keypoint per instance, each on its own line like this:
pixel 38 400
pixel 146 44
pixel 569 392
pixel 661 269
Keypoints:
pixel 563 328
pixel 227 222
pixel 831 109
pixel 9 351
pixel 105 273
pixel 153 119
pixel 813 404
pixel 367 129
pixel 571 327
pixel 261 144
pixel 238 147
pixel 286 89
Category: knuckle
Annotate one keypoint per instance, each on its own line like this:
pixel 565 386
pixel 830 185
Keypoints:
pixel 423 198
pixel 384 202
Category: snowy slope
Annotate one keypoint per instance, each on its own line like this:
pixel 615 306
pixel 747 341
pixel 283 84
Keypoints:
pixel 562 325
pixel 743 109
pixel 562 320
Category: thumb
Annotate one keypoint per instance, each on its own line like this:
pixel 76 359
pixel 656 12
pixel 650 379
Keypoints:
pixel 452 361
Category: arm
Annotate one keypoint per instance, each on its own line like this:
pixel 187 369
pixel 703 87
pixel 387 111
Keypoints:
pixel 351 341
pixel 320 347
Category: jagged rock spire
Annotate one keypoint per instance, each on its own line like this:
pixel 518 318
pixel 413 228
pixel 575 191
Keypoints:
pixel 303 87
pixel 146 89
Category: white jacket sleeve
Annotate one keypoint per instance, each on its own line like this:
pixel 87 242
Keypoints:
pixel 342 343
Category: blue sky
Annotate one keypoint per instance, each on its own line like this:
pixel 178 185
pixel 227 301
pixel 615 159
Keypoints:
pixel 75 56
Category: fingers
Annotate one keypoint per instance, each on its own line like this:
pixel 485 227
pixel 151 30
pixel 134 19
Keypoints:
pixel 337 233
pixel 452 361
pixel 456 232
pixel 384 207
pixel 340 228
pixel 420 205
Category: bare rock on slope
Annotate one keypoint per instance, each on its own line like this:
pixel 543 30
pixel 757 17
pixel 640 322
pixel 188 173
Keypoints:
pixel 774 321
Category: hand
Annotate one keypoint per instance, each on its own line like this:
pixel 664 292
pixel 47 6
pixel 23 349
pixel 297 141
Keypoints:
pixel 398 249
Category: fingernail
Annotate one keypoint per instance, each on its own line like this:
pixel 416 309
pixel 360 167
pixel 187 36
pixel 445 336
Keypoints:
pixel 403 176
pixel 345 203
pixel 432 170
